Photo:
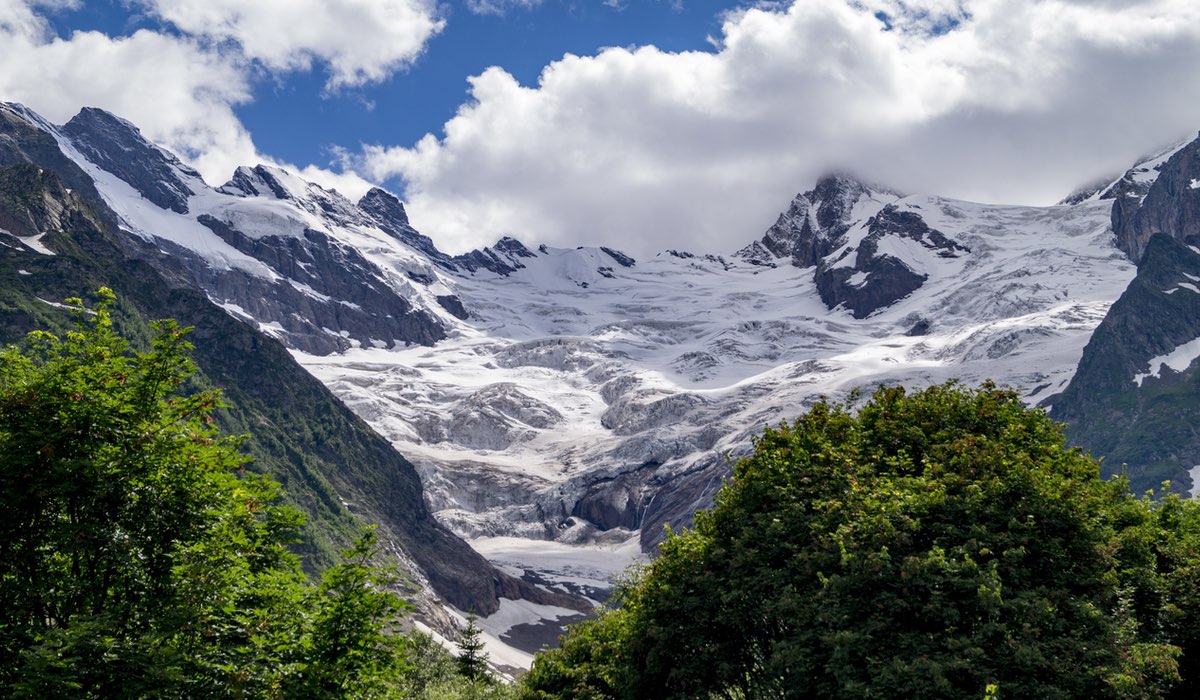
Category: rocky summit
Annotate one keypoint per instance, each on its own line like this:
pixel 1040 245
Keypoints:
pixel 557 407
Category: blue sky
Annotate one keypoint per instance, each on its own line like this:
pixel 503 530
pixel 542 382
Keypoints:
pixel 656 124
pixel 293 118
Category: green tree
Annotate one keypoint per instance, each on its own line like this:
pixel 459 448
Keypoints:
pixel 937 544
pixel 352 654
pixel 138 558
pixel 472 657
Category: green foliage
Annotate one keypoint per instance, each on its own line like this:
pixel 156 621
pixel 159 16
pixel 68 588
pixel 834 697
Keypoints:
pixel 352 654
pixel 937 544
pixel 434 674
pixel 138 558
pixel 593 662
pixel 472 657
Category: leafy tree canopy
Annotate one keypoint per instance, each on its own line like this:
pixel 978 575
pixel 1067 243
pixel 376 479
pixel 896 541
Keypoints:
pixel 138 558
pixel 935 544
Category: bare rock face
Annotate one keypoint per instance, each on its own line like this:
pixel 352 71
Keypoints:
pixel 118 146
pixel 813 226
pixel 504 258
pixel 25 140
pixel 839 230
pixel 1170 204
pixel 330 286
pixel 1134 397
pixel 876 279
pixel 388 213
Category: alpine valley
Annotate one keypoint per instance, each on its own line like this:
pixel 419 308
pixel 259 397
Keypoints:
pixel 523 423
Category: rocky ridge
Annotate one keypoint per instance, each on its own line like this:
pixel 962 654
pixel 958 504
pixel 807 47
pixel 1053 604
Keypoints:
pixel 55 244
pixel 580 399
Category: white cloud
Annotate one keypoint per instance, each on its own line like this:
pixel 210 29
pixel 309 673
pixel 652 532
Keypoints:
pixel 360 41
pixel 500 7
pixel 1018 101
pixel 179 91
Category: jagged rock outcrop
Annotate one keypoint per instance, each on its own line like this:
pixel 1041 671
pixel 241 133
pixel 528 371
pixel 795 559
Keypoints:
pixel 318 294
pixel 329 286
pixel 25 138
pixel 865 279
pixel 1135 398
pixel 32 201
pixel 119 148
pixel 503 258
pixel 622 259
pixel 388 213
pixel 841 230
pixel 1170 203
pixel 813 226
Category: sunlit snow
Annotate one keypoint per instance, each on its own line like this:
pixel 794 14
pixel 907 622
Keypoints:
pixel 1177 360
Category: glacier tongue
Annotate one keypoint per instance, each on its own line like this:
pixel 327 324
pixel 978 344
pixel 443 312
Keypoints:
pixel 579 399
pixel 586 402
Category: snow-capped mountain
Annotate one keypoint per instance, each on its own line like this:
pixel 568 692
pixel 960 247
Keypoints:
pixel 580 399
pixel 1134 398
pixel 585 398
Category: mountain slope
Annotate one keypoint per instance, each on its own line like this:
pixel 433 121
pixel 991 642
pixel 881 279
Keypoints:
pixel 1134 397
pixel 562 405
pixel 54 244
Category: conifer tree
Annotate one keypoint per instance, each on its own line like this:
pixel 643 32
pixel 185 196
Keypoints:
pixel 472 657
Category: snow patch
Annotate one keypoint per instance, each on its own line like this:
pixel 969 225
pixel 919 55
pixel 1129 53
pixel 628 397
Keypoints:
pixel 24 273
pixel 35 243
pixel 1177 360
pixel 1194 184
pixel 65 307
pixel 1195 474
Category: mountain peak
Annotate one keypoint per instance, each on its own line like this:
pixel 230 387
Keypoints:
pixel 815 221
pixel 261 180
pixel 1153 197
pixel 385 206
pixel 117 146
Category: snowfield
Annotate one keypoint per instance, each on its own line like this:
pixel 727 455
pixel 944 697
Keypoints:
pixel 564 380
pixel 588 400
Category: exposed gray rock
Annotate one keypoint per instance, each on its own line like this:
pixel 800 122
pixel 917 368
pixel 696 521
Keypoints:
pixel 622 259
pixel 387 212
pixel 814 225
pixel 1170 205
pixel 504 258
pixel 254 182
pixel 617 502
pixel 118 147
pixel 1121 403
pixel 454 305
pixel 325 285
pixel 25 138
pixel 877 280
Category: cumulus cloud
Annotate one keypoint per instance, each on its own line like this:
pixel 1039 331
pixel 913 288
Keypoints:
pixel 359 41
pixel 180 91
pixel 1007 101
